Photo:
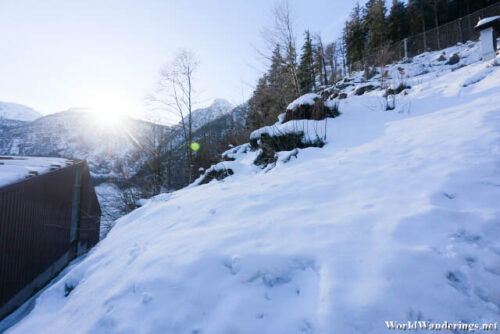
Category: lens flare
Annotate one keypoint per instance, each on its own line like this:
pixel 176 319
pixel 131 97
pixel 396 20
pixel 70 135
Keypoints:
pixel 195 146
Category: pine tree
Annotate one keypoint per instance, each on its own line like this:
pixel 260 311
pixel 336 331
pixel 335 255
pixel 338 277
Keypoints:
pixel 398 21
pixel 375 23
pixel 355 36
pixel 274 91
pixel 307 81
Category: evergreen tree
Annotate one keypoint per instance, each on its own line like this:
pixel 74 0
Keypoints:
pixel 375 23
pixel 418 12
pixel 355 36
pixel 274 91
pixel 398 21
pixel 306 77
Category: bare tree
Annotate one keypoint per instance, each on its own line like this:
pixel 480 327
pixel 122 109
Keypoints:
pixel 343 54
pixel 331 59
pixel 156 149
pixel 320 58
pixel 283 33
pixel 176 94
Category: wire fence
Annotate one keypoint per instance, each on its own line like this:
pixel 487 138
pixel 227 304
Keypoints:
pixel 443 36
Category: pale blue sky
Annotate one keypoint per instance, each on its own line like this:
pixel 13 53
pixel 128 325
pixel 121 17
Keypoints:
pixel 106 54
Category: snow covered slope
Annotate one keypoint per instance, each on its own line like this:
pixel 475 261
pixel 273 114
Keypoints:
pixel 396 218
pixel 17 112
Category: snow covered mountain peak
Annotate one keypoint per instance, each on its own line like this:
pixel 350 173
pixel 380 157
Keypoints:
pixel 18 112
pixel 221 104
pixel 218 108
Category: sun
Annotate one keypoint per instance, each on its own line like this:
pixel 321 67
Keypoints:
pixel 107 120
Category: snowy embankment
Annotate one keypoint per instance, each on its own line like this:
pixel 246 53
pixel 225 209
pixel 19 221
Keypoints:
pixel 395 218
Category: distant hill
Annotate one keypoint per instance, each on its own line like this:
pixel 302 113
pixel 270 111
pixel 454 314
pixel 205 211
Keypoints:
pixel 17 112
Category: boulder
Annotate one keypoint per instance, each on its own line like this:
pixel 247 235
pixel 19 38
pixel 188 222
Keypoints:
pixel 397 90
pixel 269 145
pixel 454 59
pixel 216 174
pixel 316 111
pixel 363 89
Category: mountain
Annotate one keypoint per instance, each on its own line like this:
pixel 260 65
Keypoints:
pixel 393 221
pixel 17 112
pixel 218 108
pixel 79 135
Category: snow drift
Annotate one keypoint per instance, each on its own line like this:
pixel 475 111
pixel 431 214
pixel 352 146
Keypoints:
pixel 396 218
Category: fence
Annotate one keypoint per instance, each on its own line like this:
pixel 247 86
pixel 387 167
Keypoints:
pixel 446 35
pixel 45 221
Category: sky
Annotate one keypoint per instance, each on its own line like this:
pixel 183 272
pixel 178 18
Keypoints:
pixel 106 55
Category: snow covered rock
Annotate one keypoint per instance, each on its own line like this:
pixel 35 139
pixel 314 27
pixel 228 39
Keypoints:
pixel 309 106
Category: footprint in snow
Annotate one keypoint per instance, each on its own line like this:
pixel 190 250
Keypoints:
pixel 146 297
pixel 449 196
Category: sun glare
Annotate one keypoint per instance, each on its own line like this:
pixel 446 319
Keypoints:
pixel 107 120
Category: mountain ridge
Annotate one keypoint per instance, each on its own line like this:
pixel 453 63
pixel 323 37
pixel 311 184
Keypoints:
pixel 18 112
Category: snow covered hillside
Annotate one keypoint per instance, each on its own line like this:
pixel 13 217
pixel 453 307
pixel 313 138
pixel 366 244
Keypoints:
pixel 17 112
pixel 396 218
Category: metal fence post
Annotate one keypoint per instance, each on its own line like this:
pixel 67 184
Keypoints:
pixel 406 47
pixel 460 30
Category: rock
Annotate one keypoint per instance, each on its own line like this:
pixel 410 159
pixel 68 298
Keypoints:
pixel 330 93
pixel 397 90
pixel 342 96
pixel 363 89
pixel 269 145
pixel 341 86
pixel 441 57
pixel 317 111
pixel 217 174
pixel 454 59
